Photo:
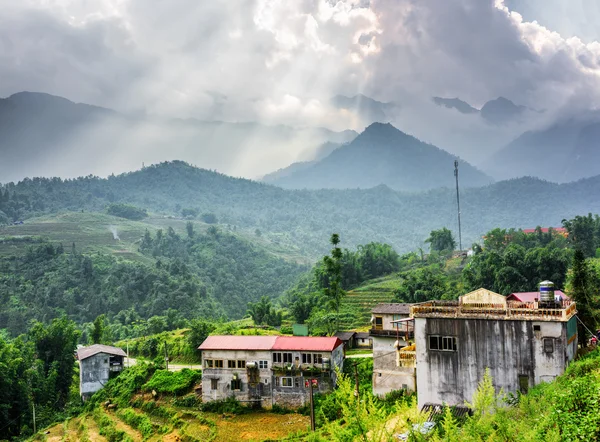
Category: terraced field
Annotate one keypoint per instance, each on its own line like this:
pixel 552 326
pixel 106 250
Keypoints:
pixel 356 307
pixel 95 232
pixel 186 425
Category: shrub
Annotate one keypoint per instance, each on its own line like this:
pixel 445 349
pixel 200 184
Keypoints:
pixel 189 401
pixel 126 211
pixel 176 383
pixel 229 405
pixel 123 387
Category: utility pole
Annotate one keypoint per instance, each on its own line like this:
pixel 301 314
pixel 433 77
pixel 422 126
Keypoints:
pixel 33 405
pixel 458 204
pixel 312 407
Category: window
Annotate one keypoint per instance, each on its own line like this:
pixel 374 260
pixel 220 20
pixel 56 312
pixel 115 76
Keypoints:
pixel 230 364
pixel 208 363
pixel 287 382
pixel 523 383
pixel 263 364
pixel 318 358
pixel 277 382
pixel 297 382
pixel 378 323
pixel 548 345
pixel 287 358
pixel 442 343
pixel 236 384
pixel 218 363
pixel 277 357
pixel 397 325
pixel 213 384
pixel 241 364
pixel 306 358
pixel 536 328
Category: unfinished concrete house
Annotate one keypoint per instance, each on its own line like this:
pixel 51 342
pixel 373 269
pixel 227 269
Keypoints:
pixel 97 364
pixel 269 370
pixel 522 343
pixel 393 359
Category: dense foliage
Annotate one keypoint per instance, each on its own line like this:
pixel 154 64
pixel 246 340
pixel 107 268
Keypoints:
pixel 198 276
pixel 36 370
pixel 174 383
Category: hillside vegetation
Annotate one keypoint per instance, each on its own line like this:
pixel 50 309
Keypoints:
pixel 306 219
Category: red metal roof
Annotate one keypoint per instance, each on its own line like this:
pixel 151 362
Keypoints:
pixel 532 296
pixel 238 343
pixel 292 343
pixel 307 343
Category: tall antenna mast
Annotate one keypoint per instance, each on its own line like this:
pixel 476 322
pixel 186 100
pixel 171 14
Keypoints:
pixel 458 204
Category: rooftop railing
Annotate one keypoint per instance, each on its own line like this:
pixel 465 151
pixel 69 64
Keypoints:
pixel 511 310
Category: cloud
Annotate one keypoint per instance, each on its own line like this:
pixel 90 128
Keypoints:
pixel 278 61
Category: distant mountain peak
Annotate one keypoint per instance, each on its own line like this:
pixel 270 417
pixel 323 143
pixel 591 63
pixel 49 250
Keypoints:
pixel 501 110
pixel 455 103
pixel 381 155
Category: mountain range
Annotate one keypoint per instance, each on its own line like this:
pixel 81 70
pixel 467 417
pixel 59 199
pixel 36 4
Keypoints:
pixel 566 151
pixel 380 155
pixel 70 139
pixel 497 112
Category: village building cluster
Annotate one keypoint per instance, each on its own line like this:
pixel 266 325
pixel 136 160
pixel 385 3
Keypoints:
pixel 438 349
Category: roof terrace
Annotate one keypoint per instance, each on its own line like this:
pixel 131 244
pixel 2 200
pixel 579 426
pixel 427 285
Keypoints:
pixel 483 304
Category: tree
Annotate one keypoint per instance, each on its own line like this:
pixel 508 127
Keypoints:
pixel 263 312
pixel 333 291
pixel 441 240
pixel 189 226
pixel 584 233
pixel 580 293
pixel 98 328
pixel 209 218
pixel 199 331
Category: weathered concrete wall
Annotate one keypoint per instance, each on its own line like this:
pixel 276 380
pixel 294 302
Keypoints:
pixel 225 375
pixel 93 373
pixel 508 348
pixel 387 375
pixel 385 381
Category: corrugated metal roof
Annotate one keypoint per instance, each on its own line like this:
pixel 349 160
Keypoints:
pixel 86 352
pixel 362 335
pixel 308 343
pixel 345 336
pixel 392 309
pixel 532 296
pixel 238 343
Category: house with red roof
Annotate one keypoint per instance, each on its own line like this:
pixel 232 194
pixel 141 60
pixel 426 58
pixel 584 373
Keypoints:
pixel 534 296
pixel 269 370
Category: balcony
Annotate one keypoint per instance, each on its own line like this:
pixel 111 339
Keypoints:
pixel 387 333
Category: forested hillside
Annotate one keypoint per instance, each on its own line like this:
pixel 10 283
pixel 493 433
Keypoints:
pixel 196 275
pixel 307 218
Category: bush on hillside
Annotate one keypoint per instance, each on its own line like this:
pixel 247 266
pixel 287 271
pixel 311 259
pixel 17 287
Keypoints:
pixel 126 211
pixel 176 383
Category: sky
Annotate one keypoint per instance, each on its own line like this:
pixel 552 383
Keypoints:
pixel 280 62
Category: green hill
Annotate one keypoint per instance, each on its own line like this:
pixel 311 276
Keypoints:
pixel 305 219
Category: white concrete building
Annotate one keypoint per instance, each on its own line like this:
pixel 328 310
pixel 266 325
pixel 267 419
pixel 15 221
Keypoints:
pixel 269 369
pixel 522 344
pixel 97 364
pixel 391 331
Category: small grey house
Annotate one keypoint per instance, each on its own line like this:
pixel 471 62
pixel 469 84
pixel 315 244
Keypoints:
pixel 96 363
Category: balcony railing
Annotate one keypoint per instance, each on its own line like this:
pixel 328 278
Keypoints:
pixel 392 333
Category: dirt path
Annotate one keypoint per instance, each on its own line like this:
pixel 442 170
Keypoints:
pixel 172 367
pixel 93 432
pixel 134 434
